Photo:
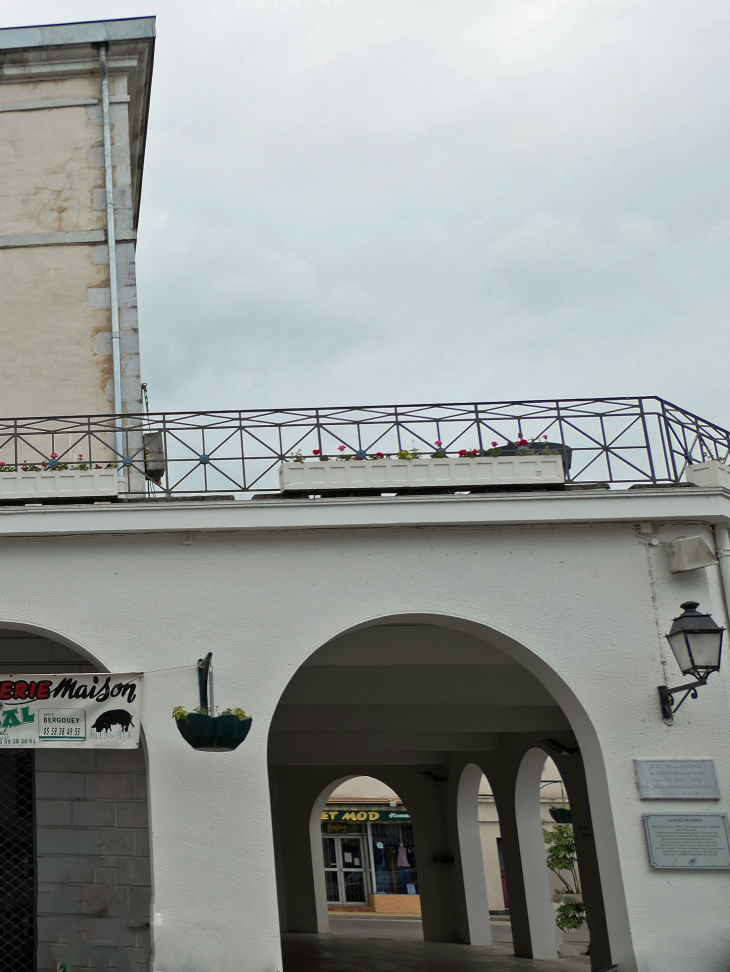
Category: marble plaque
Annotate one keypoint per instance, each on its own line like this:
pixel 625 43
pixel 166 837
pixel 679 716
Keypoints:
pixel 688 841
pixel 676 779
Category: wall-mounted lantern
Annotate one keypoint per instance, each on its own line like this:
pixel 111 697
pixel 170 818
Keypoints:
pixel 696 642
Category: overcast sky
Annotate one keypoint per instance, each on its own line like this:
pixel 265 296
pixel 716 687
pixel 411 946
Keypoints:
pixel 378 201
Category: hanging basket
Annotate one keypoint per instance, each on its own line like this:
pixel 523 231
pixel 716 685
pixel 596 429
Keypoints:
pixel 213 734
pixel 561 815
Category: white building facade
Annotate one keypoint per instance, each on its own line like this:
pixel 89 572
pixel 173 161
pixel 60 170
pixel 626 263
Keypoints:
pixel 441 618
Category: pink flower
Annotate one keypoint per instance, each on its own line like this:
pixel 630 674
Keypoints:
pixel 545 437
pixel 341 448
pixel 1 463
pixel 438 442
pixel 494 444
pixel 54 455
pixel 316 452
pixel 81 455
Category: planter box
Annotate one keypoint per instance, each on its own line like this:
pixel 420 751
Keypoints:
pixel 59 484
pixel 390 475
pixel 711 473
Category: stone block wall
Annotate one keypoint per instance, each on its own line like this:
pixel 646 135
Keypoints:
pixel 93 866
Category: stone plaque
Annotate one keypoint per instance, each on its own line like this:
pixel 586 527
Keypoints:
pixel 690 841
pixel 676 779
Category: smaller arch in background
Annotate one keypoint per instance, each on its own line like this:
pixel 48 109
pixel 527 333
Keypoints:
pixel 472 860
pixel 315 840
pixel 535 874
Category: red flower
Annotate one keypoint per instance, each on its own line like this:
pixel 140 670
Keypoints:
pixel 438 442
pixel 316 452
pixel 495 444
pixel 523 442
pixel 380 455
pixel 462 452
pixel 341 448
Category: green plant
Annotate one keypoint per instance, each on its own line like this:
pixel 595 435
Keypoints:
pixel 408 454
pixel 570 915
pixel 561 856
pixel 180 712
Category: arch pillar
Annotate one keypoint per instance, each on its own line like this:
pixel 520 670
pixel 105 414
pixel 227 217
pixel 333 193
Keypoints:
pixel 573 774
pixel 298 795
pixel 516 789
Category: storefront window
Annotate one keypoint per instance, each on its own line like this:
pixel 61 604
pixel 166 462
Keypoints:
pixel 394 858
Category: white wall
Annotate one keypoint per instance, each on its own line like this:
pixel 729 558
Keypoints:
pixel 574 603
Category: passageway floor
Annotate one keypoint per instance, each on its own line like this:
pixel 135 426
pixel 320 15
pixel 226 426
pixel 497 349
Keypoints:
pixel 396 946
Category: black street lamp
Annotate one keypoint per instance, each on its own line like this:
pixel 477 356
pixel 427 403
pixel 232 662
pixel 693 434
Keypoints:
pixel 696 642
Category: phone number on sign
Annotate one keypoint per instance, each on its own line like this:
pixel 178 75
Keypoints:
pixel 64 731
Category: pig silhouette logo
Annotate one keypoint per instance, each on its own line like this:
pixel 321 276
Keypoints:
pixel 113 717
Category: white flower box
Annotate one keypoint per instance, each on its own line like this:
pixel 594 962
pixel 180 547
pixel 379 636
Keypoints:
pixel 389 475
pixel 711 473
pixel 59 484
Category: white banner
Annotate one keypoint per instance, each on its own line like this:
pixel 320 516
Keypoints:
pixel 76 711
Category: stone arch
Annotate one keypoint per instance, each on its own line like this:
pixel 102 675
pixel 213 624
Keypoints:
pixel 470 850
pixel 582 732
pixel 89 799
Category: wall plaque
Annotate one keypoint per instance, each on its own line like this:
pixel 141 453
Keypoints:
pixel 676 779
pixel 690 841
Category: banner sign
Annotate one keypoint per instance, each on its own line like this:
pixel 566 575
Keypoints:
pixel 76 711
pixel 366 816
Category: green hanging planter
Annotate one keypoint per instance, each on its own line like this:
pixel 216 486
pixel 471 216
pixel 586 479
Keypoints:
pixel 561 815
pixel 206 732
pixel 213 734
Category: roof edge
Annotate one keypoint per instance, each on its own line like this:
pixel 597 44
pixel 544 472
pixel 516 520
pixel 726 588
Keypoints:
pixel 84 32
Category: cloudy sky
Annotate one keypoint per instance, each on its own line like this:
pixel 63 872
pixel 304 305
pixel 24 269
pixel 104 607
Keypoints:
pixel 377 201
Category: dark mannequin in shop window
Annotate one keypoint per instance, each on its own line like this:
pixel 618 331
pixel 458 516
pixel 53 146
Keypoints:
pixel 404 869
pixel 382 875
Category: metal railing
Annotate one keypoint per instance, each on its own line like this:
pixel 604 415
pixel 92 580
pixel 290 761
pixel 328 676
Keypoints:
pixel 617 441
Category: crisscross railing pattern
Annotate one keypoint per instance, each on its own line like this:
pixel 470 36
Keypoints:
pixel 618 441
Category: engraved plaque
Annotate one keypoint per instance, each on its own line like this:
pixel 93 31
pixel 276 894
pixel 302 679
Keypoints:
pixel 689 841
pixel 676 779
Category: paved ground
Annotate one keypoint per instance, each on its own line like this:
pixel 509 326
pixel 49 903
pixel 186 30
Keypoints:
pixel 396 945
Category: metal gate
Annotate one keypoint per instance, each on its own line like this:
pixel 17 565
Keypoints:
pixel 17 862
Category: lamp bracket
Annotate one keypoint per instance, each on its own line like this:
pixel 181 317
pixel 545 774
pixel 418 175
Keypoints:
pixel 666 696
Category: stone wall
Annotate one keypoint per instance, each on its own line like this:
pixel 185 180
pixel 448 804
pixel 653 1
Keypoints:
pixel 93 867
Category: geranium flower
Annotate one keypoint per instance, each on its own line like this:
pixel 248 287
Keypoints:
pixel 316 452
pixel 341 448
pixel 380 455
pixel 494 444
pixel 438 442
pixel 54 455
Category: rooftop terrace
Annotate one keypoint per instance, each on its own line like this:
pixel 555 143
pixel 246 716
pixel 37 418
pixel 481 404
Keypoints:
pixel 612 442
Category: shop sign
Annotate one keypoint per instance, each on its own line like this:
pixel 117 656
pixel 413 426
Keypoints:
pixel 366 816
pixel 70 711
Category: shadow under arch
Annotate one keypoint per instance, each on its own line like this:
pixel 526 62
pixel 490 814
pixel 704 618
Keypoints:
pixel 55 636
pixel 580 723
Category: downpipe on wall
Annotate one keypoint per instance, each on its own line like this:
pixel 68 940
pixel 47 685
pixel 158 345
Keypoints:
pixel 722 549
pixel 111 235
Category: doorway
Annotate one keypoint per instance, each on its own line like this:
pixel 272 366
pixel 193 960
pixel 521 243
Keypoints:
pixel 344 869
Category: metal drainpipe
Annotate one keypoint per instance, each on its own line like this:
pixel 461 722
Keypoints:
pixel 111 236
pixel 722 548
